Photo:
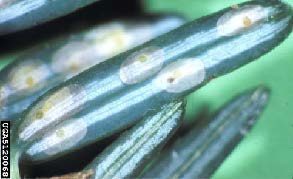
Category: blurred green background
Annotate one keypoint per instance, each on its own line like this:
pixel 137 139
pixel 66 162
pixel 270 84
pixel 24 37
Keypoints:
pixel 266 152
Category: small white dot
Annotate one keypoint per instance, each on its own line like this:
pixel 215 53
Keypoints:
pixel 73 58
pixel 181 75
pixel 141 65
pixel 60 138
pixel 109 40
pixel 29 75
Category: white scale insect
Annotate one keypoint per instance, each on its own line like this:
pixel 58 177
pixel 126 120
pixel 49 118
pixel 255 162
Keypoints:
pixel 239 19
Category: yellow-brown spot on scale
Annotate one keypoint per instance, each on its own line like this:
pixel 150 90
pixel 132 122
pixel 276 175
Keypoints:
pixel 39 115
pixel 114 41
pixel 47 106
pixel 237 21
pixel 74 66
pixel 60 133
pixel 247 21
pixel 119 39
pixel 141 65
pixel 30 81
pixel 181 75
pixel 142 58
pixel 43 110
pixel 30 74
pixel 171 80
pixel 176 74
